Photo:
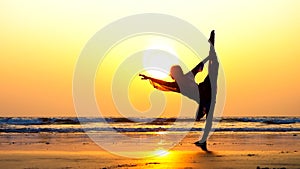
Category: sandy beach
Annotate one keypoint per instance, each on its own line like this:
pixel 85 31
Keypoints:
pixel 227 150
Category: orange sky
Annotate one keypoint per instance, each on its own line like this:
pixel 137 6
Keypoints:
pixel 257 43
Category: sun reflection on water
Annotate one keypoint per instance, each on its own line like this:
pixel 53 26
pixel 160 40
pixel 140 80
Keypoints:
pixel 161 153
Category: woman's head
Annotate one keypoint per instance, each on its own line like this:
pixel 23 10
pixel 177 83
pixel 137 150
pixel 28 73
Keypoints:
pixel 176 72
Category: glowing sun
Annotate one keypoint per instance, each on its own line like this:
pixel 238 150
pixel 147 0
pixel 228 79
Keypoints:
pixel 158 59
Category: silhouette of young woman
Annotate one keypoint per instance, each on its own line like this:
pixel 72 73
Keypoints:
pixel 186 85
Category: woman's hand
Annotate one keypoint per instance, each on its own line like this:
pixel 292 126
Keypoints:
pixel 144 77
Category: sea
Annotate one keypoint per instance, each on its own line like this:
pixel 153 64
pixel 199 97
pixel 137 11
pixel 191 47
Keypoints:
pixel 88 124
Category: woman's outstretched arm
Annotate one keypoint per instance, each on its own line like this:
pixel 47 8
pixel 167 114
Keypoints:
pixel 161 85
pixel 200 66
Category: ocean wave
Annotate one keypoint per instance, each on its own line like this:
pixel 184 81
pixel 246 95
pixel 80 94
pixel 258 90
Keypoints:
pixel 74 120
pixel 153 121
pixel 37 121
pixel 85 124
pixel 123 130
pixel 266 120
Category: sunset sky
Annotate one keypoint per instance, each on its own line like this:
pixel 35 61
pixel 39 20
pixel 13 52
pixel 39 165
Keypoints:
pixel 257 43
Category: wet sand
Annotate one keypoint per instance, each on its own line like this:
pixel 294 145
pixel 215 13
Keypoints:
pixel 227 150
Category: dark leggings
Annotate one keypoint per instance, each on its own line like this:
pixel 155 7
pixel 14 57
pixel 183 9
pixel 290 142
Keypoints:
pixel 205 98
